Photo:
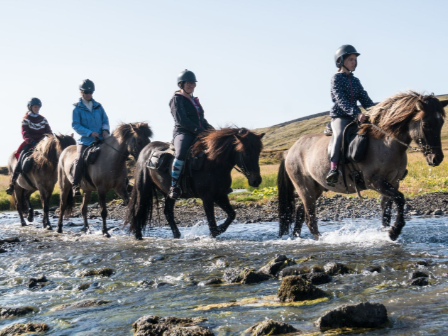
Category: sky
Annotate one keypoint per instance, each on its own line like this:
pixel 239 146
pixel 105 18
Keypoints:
pixel 258 63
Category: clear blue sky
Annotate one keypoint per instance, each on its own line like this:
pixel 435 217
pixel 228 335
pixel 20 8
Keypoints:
pixel 258 63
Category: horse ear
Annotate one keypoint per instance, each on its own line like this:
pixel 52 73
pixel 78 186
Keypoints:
pixel 419 106
pixel 444 103
pixel 261 135
pixel 420 111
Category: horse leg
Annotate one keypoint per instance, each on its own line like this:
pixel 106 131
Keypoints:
pixel 388 190
pixel 224 203
pixel 169 215
pixel 65 190
pixel 85 201
pixel 19 198
pixel 45 199
pixel 102 202
pixel 30 217
pixel 300 218
pixel 209 207
pixel 309 191
pixel 386 206
pixel 123 193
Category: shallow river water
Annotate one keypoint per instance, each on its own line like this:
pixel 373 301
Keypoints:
pixel 173 268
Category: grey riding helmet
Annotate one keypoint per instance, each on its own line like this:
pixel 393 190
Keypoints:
pixel 186 76
pixel 343 51
pixel 87 85
pixel 34 101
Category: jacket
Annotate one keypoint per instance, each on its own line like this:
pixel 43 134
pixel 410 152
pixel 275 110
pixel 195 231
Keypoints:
pixel 86 122
pixel 34 129
pixel 346 91
pixel 187 119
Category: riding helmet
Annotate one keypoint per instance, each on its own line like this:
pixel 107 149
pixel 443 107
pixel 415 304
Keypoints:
pixel 186 76
pixel 87 85
pixel 345 50
pixel 34 101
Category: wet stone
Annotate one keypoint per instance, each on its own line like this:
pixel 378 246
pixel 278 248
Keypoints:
pixel 37 282
pixel 231 274
pixel 421 263
pixel 157 257
pixel 334 268
pixel 438 212
pixel 104 272
pixel 162 284
pixel 20 329
pixel 294 270
pixel 84 286
pixel 317 269
pixel 249 276
pixel 318 278
pixel 418 274
pixel 83 304
pixel 11 240
pixel 277 264
pixel 9 312
pixel 363 315
pixel 270 327
pixel 147 283
pixel 213 281
pixel 169 326
pixel 374 268
pixel 419 282
pixel 3 250
pixel 295 288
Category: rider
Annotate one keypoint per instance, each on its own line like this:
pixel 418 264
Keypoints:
pixel 90 122
pixel 346 90
pixel 189 122
pixel 34 129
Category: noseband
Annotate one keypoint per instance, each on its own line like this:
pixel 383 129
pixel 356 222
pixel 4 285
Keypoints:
pixel 423 143
pixel 242 165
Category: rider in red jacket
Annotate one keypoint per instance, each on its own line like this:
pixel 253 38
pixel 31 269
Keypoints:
pixel 34 129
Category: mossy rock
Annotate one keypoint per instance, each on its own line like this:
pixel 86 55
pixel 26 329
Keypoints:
pixel 270 327
pixel 104 272
pixel 9 312
pixel 295 288
pixel 20 329
pixel 150 325
pixel 277 264
pixel 334 268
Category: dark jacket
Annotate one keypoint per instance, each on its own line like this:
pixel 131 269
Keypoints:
pixel 187 119
pixel 346 91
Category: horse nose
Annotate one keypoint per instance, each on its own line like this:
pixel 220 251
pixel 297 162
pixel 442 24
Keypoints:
pixel 255 181
pixel 435 159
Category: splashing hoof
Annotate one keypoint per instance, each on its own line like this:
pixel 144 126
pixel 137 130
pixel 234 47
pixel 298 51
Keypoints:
pixel 316 236
pixel 59 230
pixel 393 235
pixel 30 217
pixel 176 235
pixel 49 228
pixel 106 234
pixel 24 224
pixel 139 238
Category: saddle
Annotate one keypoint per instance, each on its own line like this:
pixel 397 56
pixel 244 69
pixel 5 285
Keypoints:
pixel 355 145
pixel 89 157
pixel 27 162
pixel 162 162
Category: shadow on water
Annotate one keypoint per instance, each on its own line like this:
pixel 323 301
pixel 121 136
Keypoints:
pixel 160 275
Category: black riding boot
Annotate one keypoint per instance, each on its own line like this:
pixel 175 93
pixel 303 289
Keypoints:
pixel 14 178
pixel 77 178
pixel 175 192
pixel 333 176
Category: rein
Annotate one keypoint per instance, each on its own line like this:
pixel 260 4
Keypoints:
pixel 105 143
pixel 242 168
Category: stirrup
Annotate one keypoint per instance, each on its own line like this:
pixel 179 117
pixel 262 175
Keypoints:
pixel 10 189
pixel 333 177
pixel 175 192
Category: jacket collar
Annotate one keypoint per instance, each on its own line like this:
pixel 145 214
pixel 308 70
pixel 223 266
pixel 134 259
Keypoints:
pixel 95 104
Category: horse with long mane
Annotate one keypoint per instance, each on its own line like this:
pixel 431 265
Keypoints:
pixel 43 176
pixel 108 172
pixel 225 149
pixel 395 122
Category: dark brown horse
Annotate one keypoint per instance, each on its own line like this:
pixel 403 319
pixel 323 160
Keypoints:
pixel 108 172
pixel 403 117
pixel 224 149
pixel 43 176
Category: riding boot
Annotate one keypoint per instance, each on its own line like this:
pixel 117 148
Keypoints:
pixel 333 176
pixel 175 192
pixel 77 178
pixel 17 171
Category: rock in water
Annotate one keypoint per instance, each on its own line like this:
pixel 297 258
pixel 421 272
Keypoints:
pixel 8 312
pixel 363 315
pixel 295 288
pixel 105 272
pixel 33 282
pixel 169 326
pixel 19 329
pixel 274 266
pixel 244 276
pixel 270 327
pixel 212 281
pixel 318 278
pixel 419 282
pixel 418 274
pixel 231 274
pixel 83 304
pixel 334 268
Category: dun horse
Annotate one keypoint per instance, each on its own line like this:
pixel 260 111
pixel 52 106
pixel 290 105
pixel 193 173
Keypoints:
pixel 109 170
pixel 403 117
pixel 43 176
pixel 224 149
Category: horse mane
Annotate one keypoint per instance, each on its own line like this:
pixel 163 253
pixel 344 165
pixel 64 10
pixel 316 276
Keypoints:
pixel 124 132
pixel 393 114
pixel 220 144
pixel 48 150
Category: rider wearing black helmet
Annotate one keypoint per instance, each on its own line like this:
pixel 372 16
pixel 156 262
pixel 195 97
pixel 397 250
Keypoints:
pixel 346 91
pixel 189 122
pixel 34 129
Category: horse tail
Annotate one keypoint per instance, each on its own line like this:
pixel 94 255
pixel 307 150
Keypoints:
pixel 70 204
pixel 142 201
pixel 286 201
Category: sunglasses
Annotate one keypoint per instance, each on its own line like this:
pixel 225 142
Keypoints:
pixel 87 92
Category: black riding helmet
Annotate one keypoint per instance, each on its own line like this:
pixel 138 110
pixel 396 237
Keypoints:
pixel 87 85
pixel 343 51
pixel 185 76
pixel 34 101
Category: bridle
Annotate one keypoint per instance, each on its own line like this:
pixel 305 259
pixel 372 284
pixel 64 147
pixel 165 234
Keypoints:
pixel 242 165
pixel 133 152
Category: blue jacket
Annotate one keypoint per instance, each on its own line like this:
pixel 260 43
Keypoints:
pixel 86 122
pixel 346 91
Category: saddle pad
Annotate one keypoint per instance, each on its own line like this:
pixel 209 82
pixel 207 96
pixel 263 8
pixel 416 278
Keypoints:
pixel 91 154
pixel 27 162
pixel 355 145
pixel 160 160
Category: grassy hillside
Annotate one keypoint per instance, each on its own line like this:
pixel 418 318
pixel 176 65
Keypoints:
pixel 282 136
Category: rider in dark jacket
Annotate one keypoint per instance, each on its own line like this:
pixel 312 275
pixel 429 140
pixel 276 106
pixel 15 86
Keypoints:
pixel 346 91
pixel 189 122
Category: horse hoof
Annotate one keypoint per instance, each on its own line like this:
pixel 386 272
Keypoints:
pixel 138 238
pixel 59 230
pixel 24 224
pixel 392 235
pixel 177 236
pixel 49 228
pixel 105 234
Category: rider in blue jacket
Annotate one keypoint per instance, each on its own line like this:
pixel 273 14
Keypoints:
pixel 346 91
pixel 90 122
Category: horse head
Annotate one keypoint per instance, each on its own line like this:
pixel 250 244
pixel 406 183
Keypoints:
pixel 426 128
pixel 136 135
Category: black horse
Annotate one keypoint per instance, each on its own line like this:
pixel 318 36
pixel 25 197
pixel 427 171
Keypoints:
pixel 224 149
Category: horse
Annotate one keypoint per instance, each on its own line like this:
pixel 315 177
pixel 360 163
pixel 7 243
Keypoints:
pixel 394 123
pixel 43 176
pixel 224 149
pixel 108 172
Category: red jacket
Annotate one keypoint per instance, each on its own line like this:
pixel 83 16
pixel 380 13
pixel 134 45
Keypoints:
pixel 33 130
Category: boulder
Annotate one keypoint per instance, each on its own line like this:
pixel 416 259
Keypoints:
pixel 84 286
pixel 19 329
pixel 83 304
pixel 11 240
pixel 419 282
pixel 374 268
pixel 418 274
pixel 271 327
pixel 363 315
pixel 295 288
pixel 294 270
pixel 244 276
pixel 169 326
pixel 274 266
pixel 9 312
pixel 104 272
pixel 318 278
pixel 212 281
pixel 37 282
pixel 231 274
pixel 334 268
